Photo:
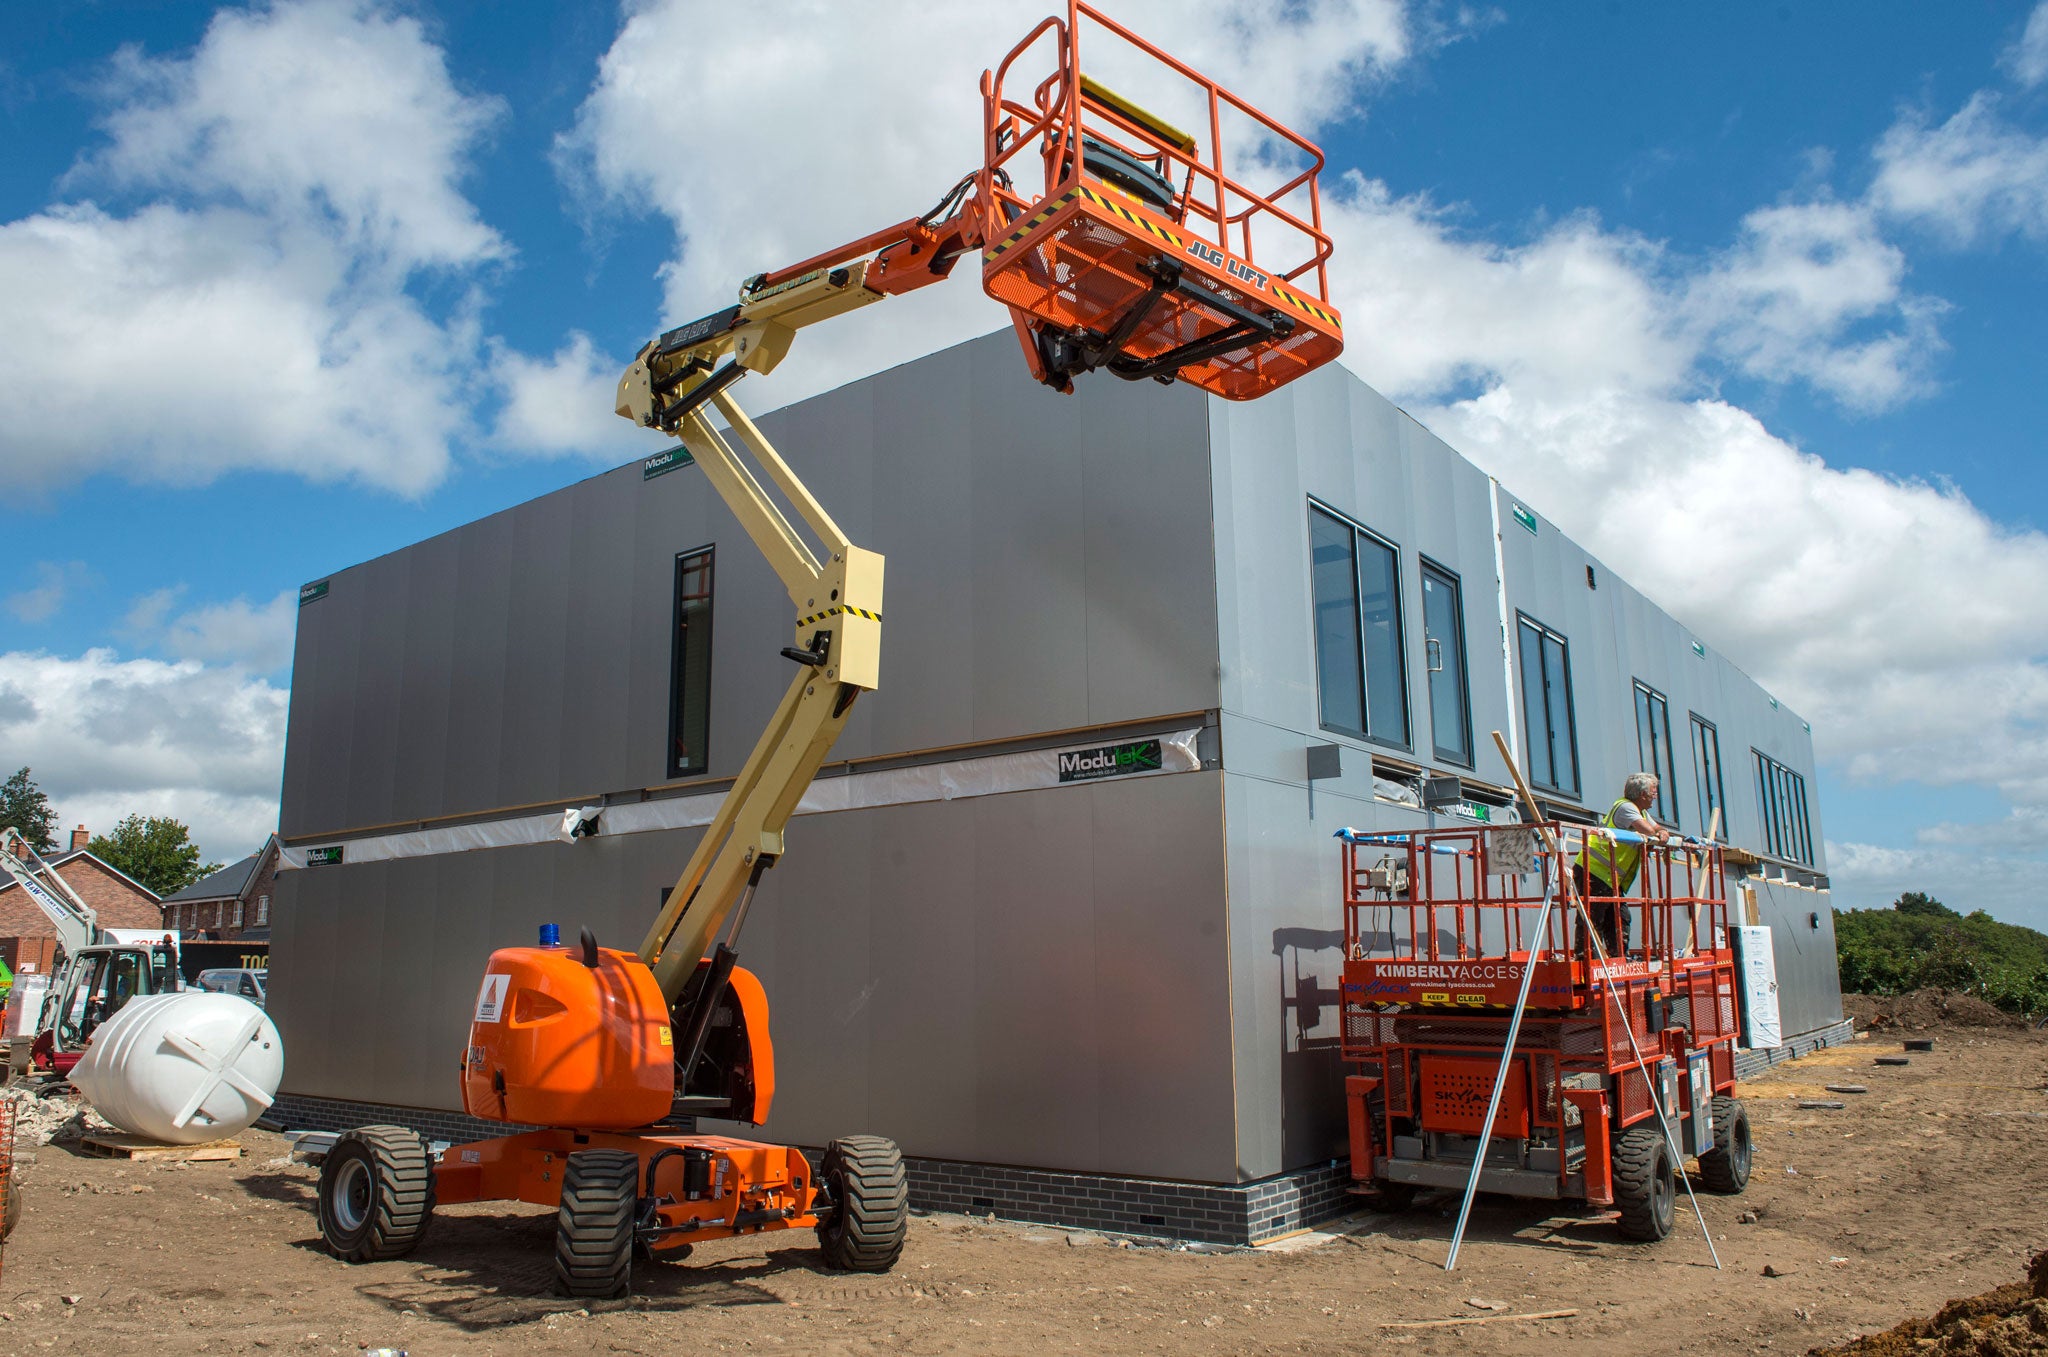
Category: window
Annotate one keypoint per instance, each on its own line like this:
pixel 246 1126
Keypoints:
pixel 1547 707
pixel 1361 674
pixel 1653 749
pixel 237 923
pixel 1443 630
pixel 1706 759
pixel 689 722
pixel 262 910
pixel 1781 800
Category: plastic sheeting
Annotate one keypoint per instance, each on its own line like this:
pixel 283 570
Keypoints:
pixel 948 781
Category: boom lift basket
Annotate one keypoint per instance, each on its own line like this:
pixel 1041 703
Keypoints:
pixel 1143 254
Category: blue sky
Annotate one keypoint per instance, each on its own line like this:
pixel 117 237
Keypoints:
pixel 288 286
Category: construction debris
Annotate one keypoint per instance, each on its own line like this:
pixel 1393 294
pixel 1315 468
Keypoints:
pixel 52 1121
pixel 2011 1321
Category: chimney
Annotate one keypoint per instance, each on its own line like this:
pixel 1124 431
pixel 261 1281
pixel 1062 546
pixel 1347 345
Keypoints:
pixel 79 838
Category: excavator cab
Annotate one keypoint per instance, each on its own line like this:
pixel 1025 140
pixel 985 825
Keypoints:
pixel 1146 255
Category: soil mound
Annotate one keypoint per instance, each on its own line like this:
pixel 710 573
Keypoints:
pixel 1924 1008
pixel 2011 1321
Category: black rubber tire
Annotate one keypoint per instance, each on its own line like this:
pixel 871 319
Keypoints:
pixel 1396 1197
pixel 1725 1168
pixel 594 1227
pixel 1645 1182
pixel 13 1213
pixel 870 1213
pixel 376 1193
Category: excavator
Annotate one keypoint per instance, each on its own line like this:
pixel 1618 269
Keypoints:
pixel 1120 243
pixel 100 969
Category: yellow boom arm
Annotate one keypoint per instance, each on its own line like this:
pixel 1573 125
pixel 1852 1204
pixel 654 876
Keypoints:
pixel 836 589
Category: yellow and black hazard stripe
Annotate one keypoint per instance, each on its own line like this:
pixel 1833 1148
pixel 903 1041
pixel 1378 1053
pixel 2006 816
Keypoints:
pixel 1029 226
pixel 1134 219
pixel 1327 318
pixel 837 609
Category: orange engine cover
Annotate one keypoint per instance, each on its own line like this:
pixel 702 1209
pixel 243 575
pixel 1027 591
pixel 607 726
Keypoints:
pixel 558 1043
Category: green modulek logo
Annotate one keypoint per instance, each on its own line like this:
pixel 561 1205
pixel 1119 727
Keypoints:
pixel 1111 760
pixel 664 462
pixel 310 593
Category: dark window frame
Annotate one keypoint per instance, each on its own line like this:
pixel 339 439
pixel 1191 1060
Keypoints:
pixel 1525 623
pixel 1364 657
pixel 1451 578
pixel 1782 802
pixel 1653 704
pixel 685 632
pixel 1715 796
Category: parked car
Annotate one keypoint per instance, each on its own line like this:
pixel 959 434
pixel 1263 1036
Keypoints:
pixel 248 984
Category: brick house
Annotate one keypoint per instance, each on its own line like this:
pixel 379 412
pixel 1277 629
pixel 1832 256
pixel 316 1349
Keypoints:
pixel 28 940
pixel 232 904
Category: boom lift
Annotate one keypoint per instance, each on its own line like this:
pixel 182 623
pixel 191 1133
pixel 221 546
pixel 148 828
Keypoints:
pixel 1139 255
pixel 99 972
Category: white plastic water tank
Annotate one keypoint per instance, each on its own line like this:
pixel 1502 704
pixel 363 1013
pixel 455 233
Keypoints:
pixel 183 1068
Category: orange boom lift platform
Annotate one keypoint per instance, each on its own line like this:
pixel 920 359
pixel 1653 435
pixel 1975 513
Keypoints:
pixel 1134 252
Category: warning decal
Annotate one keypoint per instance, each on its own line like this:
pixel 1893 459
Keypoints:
pixel 490 1004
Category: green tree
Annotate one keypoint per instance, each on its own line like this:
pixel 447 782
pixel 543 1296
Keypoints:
pixel 24 807
pixel 1923 905
pixel 157 851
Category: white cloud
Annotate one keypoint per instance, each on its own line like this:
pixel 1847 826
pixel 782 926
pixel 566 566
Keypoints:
pixel 54 585
pixel 2027 59
pixel 255 637
pixel 1972 176
pixel 254 313
pixel 109 737
pixel 2008 886
pixel 564 404
pixel 1783 300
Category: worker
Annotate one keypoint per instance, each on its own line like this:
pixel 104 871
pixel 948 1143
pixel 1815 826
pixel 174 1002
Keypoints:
pixel 1606 868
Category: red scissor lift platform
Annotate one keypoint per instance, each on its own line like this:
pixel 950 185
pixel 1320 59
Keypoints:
pixel 1438 932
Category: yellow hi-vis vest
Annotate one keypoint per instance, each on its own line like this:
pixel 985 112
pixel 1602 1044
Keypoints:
pixel 1615 863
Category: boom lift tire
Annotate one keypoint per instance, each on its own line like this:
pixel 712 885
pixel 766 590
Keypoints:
pixel 1395 1198
pixel 1725 1168
pixel 870 1204
pixel 1645 1182
pixel 594 1228
pixel 376 1193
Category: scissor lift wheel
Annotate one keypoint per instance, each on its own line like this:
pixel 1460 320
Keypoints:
pixel 1725 1168
pixel 1645 1182
pixel 870 1204
pixel 376 1193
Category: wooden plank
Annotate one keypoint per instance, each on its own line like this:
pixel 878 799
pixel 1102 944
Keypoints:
pixel 121 1145
pixel 1476 1319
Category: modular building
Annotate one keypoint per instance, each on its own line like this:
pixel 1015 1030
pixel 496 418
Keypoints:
pixel 1062 916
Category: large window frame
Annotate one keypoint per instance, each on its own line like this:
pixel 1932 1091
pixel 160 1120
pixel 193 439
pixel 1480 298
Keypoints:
pixel 689 674
pixel 1359 630
pixel 1706 762
pixel 1655 750
pixel 1782 807
pixel 1552 694
pixel 1449 674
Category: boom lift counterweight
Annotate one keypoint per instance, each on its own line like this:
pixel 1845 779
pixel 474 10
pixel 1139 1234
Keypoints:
pixel 1139 256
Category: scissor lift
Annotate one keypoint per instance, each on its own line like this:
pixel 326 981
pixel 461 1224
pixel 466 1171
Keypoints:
pixel 1438 933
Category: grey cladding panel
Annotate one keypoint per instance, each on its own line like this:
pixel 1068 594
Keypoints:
pixel 1036 978
pixel 1049 567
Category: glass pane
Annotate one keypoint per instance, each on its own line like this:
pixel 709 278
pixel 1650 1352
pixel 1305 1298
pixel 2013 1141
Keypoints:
pixel 1535 720
pixel 1557 690
pixel 1386 669
pixel 1339 680
pixel 690 676
pixel 1646 745
pixel 1450 717
pixel 1667 776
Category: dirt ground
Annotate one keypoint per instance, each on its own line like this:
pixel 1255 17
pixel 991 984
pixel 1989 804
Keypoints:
pixel 1928 1187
